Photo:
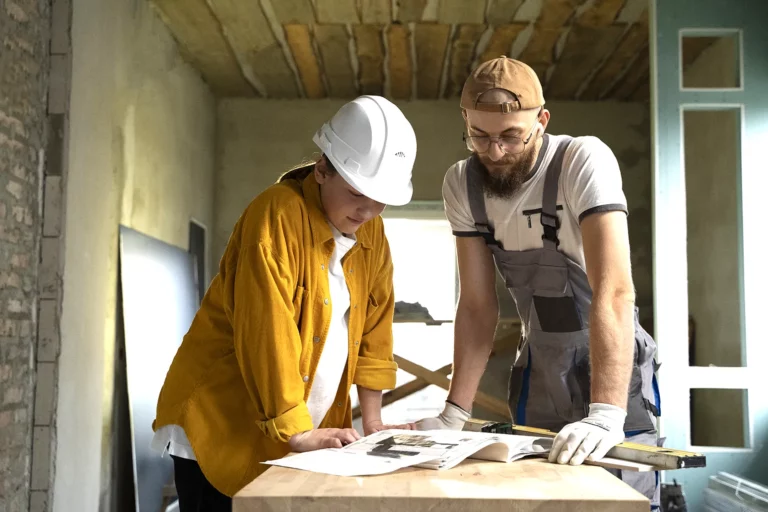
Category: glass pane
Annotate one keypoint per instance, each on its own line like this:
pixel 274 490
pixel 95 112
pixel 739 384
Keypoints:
pixel 712 182
pixel 710 62
pixel 718 417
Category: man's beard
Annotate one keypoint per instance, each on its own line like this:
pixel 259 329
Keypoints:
pixel 508 173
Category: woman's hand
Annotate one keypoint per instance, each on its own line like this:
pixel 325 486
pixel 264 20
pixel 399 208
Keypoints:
pixel 322 438
pixel 376 425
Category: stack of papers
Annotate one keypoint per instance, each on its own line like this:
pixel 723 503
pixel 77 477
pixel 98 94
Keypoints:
pixel 390 450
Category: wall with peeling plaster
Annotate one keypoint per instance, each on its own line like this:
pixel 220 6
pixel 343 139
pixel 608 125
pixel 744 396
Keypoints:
pixel 257 140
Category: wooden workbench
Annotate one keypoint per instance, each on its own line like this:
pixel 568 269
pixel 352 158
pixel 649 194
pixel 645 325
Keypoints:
pixel 473 486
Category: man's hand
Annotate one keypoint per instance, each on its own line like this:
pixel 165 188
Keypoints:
pixel 453 417
pixel 377 425
pixel 590 438
pixel 322 438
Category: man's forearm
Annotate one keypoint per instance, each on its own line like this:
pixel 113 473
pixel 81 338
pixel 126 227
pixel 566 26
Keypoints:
pixel 370 404
pixel 612 334
pixel 473 341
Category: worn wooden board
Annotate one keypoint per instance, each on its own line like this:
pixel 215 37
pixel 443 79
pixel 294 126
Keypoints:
pixel 600 13
pixel 370 57
pixel 461 11
pixel 462 55
pixel 293 11
pixel 376 11
pixel 501 41
pixel 555 13
pixel 474 486
pixel 502 11
pixel 248 32
pixel 299 40
pixel 337 11
pixel 333 41
pixel 202 43
pixel 632 78
pixel 400 65
pixel 633 40
pixel 410 10
pixel 585 49
pixel 431 44
pixel 539 53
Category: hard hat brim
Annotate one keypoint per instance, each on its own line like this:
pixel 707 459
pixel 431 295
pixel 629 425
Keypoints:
pixel 369 188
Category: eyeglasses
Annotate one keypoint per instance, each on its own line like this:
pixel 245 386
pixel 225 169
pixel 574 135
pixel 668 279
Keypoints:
pixel 508 144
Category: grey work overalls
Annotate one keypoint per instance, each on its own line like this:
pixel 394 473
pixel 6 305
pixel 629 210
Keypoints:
pixel 549 385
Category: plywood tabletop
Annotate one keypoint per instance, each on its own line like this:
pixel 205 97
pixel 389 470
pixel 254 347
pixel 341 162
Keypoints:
pixel 473 486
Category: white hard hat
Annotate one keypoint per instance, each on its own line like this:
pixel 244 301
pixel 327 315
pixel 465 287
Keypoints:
pixel 373 146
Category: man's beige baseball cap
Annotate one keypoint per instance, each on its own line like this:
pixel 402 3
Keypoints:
pixel 503 73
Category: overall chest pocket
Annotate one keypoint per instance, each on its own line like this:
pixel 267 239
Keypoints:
pixel 529 230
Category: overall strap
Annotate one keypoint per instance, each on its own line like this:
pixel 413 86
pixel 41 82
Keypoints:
pixel 549 220
pixel 476 198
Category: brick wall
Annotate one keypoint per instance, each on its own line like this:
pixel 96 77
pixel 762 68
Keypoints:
pixel 24 36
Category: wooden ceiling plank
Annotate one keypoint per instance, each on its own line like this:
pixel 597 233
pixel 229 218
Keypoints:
pixel 635 38
pixel 400 65
pixel 300 42
pixel 501 41
pixel 337 11
pixel 634 76
pixel 431 44
pixel 461 11
pixel 410 10
pixel 294 11
pixel 370 56
pixel 333 41
pixel 377 11
pixel 585 49
pixel 502 11
pixel 541 47
pixel 202 43
pixel 556 13
pixel 462 55
pixel 601 13
pixel 250 35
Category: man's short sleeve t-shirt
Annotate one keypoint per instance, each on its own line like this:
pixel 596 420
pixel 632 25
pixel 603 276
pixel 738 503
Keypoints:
pixel 590 182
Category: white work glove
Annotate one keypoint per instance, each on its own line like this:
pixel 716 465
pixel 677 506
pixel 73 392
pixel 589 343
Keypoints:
pixel 590 438
pixel 453 417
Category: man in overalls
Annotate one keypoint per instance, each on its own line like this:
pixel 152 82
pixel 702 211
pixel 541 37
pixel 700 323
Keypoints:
pixel 550 212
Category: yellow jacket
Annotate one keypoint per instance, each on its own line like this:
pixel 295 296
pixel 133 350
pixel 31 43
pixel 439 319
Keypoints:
pixel 239 382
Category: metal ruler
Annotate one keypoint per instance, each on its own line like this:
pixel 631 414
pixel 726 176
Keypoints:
pixel 659 457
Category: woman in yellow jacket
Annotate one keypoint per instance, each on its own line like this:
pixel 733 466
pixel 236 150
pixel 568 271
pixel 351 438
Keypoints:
pixel 300 310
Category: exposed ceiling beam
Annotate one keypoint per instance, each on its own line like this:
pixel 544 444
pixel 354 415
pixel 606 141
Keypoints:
pixel 501 41
pixel 333 41
pixel 502 11
pixel 399 62
pixel 258 51
pixel 409 10
pixel 431 44
pixel 376 11
pixel 294 11
pixel 202 43
pixel 370 55
pixel 599 13
pixel 461 11
pixel 462 54
pixel 299 40
pixel 633 40
pixel 585 49
pixel 624 88
pixel 337 11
